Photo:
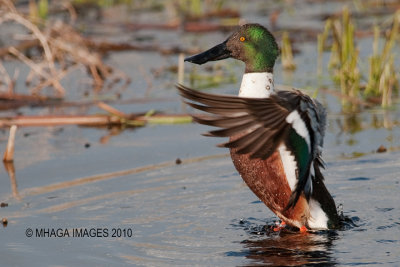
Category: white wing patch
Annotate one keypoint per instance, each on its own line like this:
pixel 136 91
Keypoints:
pixel 289 166
pixel 299 126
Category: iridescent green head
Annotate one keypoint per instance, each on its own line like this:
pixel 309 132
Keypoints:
pixel 251 43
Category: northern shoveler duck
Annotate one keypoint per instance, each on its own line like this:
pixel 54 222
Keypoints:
pixel 276 137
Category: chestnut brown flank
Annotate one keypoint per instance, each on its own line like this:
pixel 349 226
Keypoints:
pixel 267 180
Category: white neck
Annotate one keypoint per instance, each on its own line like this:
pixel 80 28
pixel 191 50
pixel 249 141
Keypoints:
pixel 257 85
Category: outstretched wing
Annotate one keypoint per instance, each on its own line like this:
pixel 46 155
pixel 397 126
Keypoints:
pixel 287 117
pixel 260 121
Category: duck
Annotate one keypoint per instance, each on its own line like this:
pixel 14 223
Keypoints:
pixel 275 137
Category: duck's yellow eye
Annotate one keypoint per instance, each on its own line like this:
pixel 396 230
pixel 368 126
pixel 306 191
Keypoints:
pixel 242 39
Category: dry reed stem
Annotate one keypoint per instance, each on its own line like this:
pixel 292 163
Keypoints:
pixel 71 10
pixel 4 74
pixel 39 35
pixel 9 5
pixel 9 153
pixel 112 110
pixel 94 120
pixel 53 80
pixel 10 83
pixel 181 68
pixel 39 70
pixel 60 43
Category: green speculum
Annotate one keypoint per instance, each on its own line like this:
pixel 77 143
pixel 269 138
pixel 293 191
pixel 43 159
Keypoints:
pixel 300 149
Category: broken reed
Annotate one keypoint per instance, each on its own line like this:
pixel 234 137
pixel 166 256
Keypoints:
pixel 286 53
pixel 343 61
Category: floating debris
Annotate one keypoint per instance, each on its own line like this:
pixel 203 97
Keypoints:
pixel 381 149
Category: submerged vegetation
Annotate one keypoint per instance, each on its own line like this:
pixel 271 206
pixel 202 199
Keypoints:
pixel 344 61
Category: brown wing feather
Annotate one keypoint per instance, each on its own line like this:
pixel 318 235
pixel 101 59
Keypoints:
pixel 260 121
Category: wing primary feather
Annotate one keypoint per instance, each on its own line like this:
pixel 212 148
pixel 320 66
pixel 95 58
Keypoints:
pixel 224 122
pixel 233 130
pixel 271 145
pixel 245 139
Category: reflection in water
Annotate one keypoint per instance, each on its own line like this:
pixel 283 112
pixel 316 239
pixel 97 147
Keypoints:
pixel 9 166
pixel 113 131
pixel 292 249
pixel 351 130
pixel 351 123
pixel 286 247
pixel 357 122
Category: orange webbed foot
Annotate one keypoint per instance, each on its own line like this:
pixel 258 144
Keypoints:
pixel 303 229
pixel 280 226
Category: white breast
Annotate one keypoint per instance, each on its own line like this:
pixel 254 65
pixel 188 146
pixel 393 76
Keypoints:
pixel 257 85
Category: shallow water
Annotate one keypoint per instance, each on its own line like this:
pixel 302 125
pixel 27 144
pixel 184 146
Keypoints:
pixel 202 213
pixel 198 212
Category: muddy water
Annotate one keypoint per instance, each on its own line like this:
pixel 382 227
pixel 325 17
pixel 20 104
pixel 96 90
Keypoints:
pixel 117 197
